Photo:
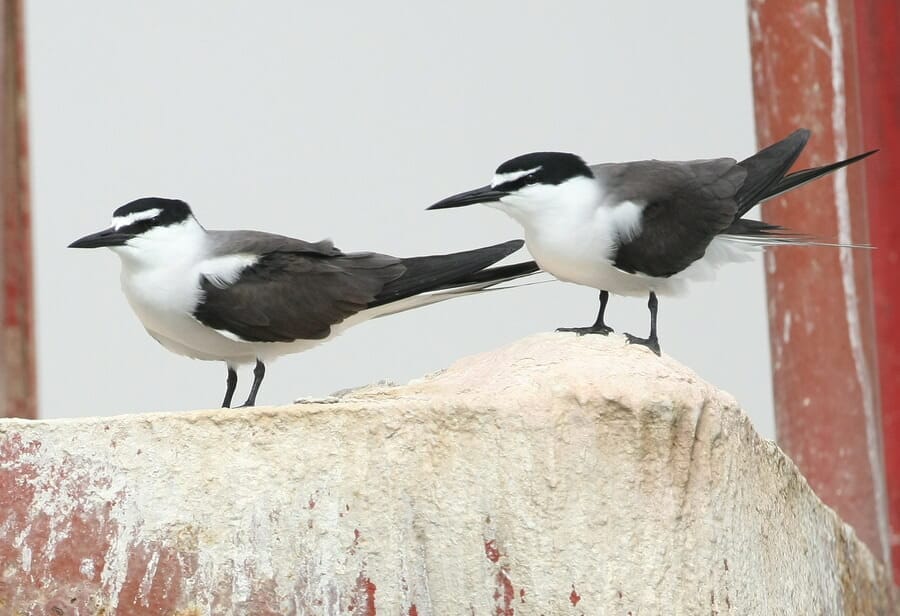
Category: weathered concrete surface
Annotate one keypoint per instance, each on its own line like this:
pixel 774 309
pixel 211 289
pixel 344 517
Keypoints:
pixel 559 475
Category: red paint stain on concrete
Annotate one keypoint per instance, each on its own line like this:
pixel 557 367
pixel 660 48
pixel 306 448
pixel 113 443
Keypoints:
pixel 60 572
pixel 413 611
pixel 504 595
pixel 370 598
pixel 82 545
pixel 574 597
pixel 68 549
pixel 263 600
pixel 54 561
pixel 363 601
pixel 355 544
pixel 152 581
pixel 491 551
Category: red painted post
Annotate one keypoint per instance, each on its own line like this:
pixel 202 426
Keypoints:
pixel 18 392
pixel 878 46
pixel 821 311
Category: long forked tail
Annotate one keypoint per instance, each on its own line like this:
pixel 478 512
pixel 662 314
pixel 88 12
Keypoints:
pixel 768 167
pixel 767 177
pixel 435 278
pixel 799 178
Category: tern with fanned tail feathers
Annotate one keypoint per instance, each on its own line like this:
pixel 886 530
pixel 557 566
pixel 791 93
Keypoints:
pixel 644 227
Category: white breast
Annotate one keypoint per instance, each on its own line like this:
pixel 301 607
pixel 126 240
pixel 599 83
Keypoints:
pixel 161 273
pixel 164 300
pixel 572 230
pixel 161 277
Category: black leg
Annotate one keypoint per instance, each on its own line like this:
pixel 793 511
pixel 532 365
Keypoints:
pixel 651 342
pixel 599 327
pixel 258 373
pixel 230 384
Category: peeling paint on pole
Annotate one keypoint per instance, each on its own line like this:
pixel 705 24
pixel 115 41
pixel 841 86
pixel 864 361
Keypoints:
pixel 18 390
pixel 878 43
pixel 820 299
pixel 559 475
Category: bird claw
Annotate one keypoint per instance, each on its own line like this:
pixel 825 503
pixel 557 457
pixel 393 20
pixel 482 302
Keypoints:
pixel 581 331
pixel 650 343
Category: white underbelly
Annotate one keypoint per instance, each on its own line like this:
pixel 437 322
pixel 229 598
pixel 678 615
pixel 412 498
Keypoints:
pixel 585 261
pixel 184 335
pixel 597 273
pixel 180 333
pixel 168 318
pixel 588 264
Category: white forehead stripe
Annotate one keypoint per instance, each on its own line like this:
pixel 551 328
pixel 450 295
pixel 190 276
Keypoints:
pixel 503 178
pixel 123 221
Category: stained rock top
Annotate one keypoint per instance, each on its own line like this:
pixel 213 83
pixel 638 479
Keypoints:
pixel 556 475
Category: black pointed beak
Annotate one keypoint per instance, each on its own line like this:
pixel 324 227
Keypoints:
pixel 485 194
pixel 100 239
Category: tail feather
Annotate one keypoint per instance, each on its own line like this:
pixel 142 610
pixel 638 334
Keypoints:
pixel 799 178
pixel 761 233
pixel 496 275
pixel 791 239
pixel 750 228
pixel 767 167
pixel 483 281
pixel 424 274
pixel 768 177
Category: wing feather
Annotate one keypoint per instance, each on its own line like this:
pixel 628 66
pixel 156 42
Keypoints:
pixel 298 290
pixel 686 204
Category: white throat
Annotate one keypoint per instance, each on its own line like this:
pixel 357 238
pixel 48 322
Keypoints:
pixel 537 204
pixel 573 230
pixel 164 247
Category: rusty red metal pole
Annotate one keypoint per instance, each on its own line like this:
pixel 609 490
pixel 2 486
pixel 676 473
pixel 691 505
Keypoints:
pixel 878 46
pixel 18 392
pixel 821 311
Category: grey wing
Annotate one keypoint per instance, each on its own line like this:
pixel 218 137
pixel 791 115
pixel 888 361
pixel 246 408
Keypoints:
pixel 287 296
pixel 686 204
pixel 259 243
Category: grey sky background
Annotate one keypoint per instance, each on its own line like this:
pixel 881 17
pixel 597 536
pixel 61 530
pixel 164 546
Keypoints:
pixel 345 120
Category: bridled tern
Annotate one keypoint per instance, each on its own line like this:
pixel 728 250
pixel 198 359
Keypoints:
pixel 244 297
pixel 644 227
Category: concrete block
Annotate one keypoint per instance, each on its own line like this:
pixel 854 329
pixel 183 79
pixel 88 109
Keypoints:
pixel 558 475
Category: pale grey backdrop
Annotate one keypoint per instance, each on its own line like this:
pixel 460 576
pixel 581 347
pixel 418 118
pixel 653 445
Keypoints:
pixel 318 120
